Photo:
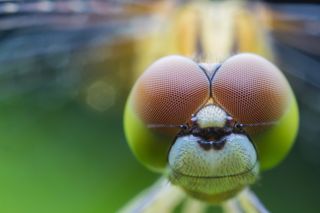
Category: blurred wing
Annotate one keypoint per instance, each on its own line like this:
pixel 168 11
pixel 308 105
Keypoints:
pixel 295 33
pixel 45 27
pixel 64 47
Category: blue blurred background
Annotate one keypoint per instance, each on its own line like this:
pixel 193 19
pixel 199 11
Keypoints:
pixel 66 69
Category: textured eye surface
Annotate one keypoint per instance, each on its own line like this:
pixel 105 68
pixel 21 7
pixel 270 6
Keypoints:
pixel 251 89
pixel 170 90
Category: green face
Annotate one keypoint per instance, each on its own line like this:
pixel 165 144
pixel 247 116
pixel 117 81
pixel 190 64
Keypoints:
pixel 214 157
pixel 211 127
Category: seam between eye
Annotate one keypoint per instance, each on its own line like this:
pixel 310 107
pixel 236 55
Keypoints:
pixel 208 77
pixel 215 72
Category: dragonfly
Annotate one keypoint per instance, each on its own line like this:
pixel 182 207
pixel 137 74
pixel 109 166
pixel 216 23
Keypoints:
pixel 132 34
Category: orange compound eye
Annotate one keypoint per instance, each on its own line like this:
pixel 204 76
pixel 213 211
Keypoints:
pixel 251 89
pixel 170 91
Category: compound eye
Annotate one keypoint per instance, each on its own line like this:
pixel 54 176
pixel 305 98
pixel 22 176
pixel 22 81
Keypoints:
pixel 251 89
pixel 170 91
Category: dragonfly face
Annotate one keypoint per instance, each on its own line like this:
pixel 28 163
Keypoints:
pixel 206 125
pixel 214 158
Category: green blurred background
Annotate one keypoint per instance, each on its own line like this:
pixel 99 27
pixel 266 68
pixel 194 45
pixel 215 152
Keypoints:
pixel 65 73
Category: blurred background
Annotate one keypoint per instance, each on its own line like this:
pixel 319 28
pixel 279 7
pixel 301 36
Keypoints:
pixel 66 68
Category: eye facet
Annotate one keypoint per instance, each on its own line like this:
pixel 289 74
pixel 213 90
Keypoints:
pixel 170 91
pixel 251 89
